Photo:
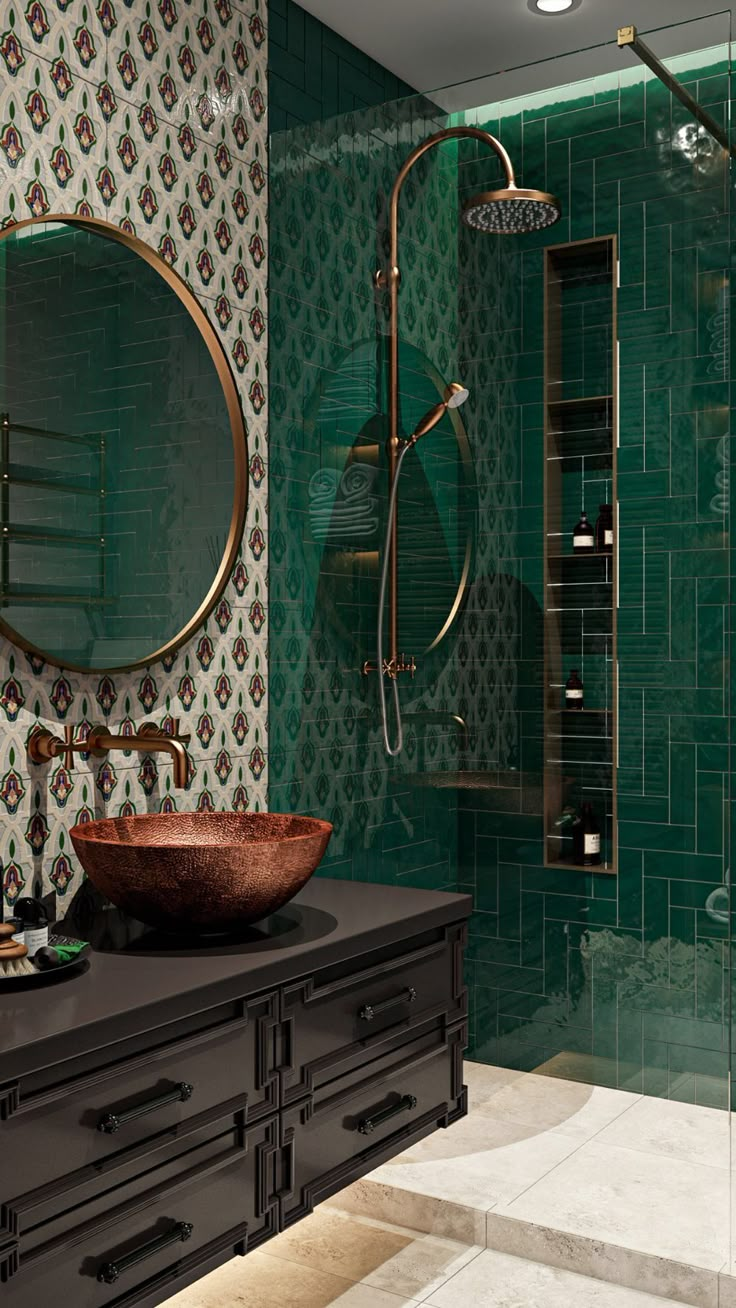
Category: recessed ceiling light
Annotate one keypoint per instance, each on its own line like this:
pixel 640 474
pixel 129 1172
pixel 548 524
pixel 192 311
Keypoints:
pixel 550 7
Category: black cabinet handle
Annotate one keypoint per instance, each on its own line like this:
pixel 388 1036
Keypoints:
pixel 369 1011
pixel 109 1272
pixel 367 1125
pixel 109 1123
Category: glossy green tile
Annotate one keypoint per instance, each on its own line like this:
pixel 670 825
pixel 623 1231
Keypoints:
pixel 533 953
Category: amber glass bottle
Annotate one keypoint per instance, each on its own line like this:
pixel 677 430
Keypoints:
pixel 574 691
pixel 583 536
pixel 587 838
pixel 604 529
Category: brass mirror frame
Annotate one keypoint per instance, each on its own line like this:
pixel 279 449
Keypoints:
pixel 216 351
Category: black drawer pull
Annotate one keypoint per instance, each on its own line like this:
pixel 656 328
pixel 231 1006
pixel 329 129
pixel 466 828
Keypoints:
pixel 109 1123
pixel 369 1011
pixel 109 1272
pixel 367 1125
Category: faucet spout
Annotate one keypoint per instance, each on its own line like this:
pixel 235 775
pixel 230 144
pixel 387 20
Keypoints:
pixel 161 742
pixel 151 738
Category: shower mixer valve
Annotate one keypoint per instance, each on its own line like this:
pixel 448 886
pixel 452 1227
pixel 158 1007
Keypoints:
pixel 392 667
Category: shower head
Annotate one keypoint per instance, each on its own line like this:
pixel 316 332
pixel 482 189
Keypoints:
pixel 511 211
pixel 455 395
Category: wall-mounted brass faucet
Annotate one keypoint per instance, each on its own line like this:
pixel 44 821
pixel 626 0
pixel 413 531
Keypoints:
pixel 43 746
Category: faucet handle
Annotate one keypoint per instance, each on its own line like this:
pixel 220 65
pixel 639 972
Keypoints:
pixel 176 732
pixel 45 747
pixel 152 729
pixel 67 753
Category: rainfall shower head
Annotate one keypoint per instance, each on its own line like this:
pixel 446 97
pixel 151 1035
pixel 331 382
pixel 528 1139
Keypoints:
pixel 511 211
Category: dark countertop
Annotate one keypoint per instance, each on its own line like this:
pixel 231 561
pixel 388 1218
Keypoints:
pixel 133 971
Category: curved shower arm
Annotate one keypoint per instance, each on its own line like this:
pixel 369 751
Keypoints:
pixel 447 134
pixel 391 279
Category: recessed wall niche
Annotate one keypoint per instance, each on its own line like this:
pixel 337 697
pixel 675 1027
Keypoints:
pixel 580 567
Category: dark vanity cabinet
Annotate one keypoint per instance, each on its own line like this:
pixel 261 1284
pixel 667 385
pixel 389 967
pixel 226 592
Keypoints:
pixel 170 1108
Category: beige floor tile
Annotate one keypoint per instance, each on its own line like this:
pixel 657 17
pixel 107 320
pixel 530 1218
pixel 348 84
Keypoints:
pixel 496 1280
pixel 604 1261
pixel 684 1131
pixel 549 1104
pixel 422 1267
pixel 382 1255
pixel 260 1281
pixel 339 1244
pixel 421 1212
pixel 484 1080
pixel 642 1201
pixel 479 1162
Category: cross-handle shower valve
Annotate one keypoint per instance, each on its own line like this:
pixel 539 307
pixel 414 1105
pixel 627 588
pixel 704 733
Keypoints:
pixel 392 667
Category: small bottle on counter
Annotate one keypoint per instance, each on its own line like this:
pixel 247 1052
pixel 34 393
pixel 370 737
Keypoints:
pixel 604 529
pixel 583 536
pixel 574 691
pixel 587 838
pixel 34 917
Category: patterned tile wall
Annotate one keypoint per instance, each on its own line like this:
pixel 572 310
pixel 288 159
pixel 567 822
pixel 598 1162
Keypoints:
pixel 623 981
pixel 153 117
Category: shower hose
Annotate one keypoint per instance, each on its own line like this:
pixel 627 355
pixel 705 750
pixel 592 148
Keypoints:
pixel 392 750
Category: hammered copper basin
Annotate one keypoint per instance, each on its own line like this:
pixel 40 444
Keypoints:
pixel 201 871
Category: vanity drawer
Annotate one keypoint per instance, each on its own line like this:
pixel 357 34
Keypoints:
pixel 338 1018
pixel 211 1201
pixel 344 1132
pixel 124 1102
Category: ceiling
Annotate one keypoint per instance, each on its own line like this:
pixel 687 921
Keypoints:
pixel 435 43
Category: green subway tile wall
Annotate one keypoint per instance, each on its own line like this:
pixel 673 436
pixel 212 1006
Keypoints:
pixel 315 74
pixel 621 981
pixel 618 980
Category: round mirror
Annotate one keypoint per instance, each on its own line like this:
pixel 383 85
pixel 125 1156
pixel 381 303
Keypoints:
pixel 122 445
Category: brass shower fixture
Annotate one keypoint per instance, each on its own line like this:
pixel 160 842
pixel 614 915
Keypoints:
pixel 509 210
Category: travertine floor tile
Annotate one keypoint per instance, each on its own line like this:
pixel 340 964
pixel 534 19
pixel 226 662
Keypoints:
pixel 496 1280
pixel 260 1281
pixel 568 1107
pixel 342 1245
pixel 685 1131
pixel 641 1201
pixel 422 1212
pixel 479 1162
pixel 377 1253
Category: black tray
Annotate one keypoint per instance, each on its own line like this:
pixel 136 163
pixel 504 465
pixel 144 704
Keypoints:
pixel 39 978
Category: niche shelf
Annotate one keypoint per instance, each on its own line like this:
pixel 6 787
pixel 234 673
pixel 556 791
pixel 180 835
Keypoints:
pixel 580 590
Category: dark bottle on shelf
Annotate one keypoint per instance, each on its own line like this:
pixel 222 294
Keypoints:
pixel 574 691
pixel 583 536
pixel 564 827
pixel 604 529
pixel 587 838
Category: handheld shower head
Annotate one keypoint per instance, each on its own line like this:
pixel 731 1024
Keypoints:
pixel 455 395
pixel 511 211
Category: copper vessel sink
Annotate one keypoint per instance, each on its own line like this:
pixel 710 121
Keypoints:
pixel 201 871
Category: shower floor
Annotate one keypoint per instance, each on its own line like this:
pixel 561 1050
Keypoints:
pixel 625 1188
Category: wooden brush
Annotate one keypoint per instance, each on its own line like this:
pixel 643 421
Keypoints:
pixel 14 960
